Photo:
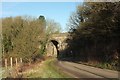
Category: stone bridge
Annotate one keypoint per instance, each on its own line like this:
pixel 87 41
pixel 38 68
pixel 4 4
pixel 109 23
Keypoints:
pixel 56 43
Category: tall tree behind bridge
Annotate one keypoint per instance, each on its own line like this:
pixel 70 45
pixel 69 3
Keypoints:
pixel 52 27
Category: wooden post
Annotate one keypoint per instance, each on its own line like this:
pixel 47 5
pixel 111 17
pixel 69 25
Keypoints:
pixel 16 61
pixel 6 63
pixel 20 60
pixel 11 62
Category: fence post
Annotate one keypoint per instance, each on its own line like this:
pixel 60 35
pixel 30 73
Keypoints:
pixel 6 63
pixel 16 61
pixel 11 62
pixel 21 60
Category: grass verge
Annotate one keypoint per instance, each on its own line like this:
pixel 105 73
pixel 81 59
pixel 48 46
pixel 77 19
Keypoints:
pixel 46 69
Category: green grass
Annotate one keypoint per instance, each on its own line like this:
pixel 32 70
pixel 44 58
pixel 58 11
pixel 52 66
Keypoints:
pixel 47 69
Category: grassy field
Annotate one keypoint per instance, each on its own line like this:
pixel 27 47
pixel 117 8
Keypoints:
pixel 45 69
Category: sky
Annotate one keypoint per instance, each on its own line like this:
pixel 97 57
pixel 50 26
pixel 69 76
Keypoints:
pixel 58 11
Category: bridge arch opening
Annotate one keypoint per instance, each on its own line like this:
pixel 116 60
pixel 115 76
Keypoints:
pixel 55 43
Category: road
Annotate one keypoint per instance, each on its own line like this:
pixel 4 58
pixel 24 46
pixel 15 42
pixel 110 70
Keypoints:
pixel 76 70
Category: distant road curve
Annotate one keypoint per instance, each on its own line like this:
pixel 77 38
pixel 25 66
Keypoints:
pixel 76 70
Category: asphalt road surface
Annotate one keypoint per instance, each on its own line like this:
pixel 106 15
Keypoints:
pixel 76 70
